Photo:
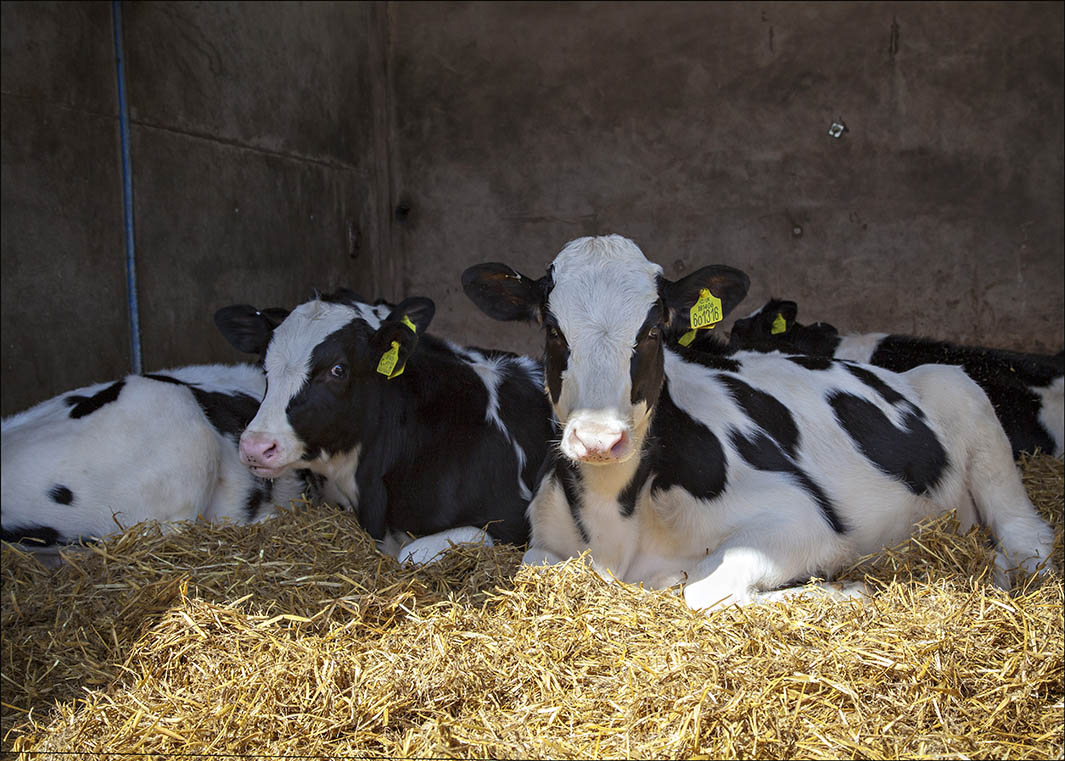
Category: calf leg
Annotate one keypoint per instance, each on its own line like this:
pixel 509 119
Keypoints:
pixel 743 568
pixel 989 474
pixel 428 549
pixel 541 556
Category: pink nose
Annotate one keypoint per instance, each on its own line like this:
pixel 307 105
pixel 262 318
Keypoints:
pixel 600 444
pixel 259 449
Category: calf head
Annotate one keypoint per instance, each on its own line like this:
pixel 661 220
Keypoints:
pixel 325 362
pixel 774 326
pixel 604 308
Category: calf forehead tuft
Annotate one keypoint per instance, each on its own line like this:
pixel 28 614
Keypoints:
pixel 306 327
pixel 605 285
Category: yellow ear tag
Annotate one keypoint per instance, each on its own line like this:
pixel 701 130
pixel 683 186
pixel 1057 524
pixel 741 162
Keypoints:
pixel 706 312
pixel 388 362
pixel 387 365
pixel 779 325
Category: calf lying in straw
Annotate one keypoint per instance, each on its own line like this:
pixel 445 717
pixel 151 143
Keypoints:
pixel 738 473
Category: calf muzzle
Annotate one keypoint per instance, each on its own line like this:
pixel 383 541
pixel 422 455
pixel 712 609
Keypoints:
pixel 262 453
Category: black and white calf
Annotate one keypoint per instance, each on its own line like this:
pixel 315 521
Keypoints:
pixel 161 446
pixel 1026 390
pixel 738 473
pixel 419 434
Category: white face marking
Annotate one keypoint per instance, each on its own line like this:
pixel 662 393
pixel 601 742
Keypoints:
pixel 287 366
pixel 374 315
pixel 603 290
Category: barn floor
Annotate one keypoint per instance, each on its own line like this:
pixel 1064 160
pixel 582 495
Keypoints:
pixel 297 637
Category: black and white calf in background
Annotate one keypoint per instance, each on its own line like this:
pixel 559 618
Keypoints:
pixel 741 473
pixel 418 434
pixel 162 446
pixel 1026 390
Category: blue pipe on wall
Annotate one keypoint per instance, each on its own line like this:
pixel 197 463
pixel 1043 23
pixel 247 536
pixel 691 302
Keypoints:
pixel 127 190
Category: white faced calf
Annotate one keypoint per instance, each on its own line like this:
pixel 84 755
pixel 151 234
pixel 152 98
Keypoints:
pixel 737 473
pixel 1026 390
pixel 162 446
pixel 418 434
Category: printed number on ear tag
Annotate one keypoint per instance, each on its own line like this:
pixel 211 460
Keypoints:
pixel 706 311
pixel 779 325
pixel 387 365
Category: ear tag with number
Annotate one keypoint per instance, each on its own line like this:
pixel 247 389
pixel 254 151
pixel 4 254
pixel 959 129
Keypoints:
pixel 387 365
pixel 704 315
pixel 780 325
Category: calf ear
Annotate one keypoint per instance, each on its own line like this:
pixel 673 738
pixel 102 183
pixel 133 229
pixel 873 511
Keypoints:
pixel 247 328
pixel 823 329
pixel 789 310
pixel 342 296
pixel 502 292
pixel 726 284
pixel 396 339
pixel 778 317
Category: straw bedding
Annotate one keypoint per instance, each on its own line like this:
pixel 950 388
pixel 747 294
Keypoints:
pixel 296 637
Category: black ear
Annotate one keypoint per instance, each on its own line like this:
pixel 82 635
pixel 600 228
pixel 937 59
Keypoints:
pixel 342 296
pixel 821 329
pixel 503 293
pixel 777 318
pixel 788 310
pixel 403 326
pixel 727 284
pixel 247 328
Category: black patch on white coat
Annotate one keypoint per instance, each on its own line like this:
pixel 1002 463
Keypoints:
pixel 1006 377
pixel 569 477
pixel 706 350
pixel 913 455
pixel 678 451
pixel 811 362
pixel 61 494
pixel 228 413
pixel 873 381
pixel 260 494
pixel 766 412
pixel 556 356
pixel 86 405
pixel 901 352
pixel 646 367
pixel 762 453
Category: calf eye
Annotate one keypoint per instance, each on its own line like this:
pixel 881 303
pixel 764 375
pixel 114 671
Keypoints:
pixel 552 332
pixel 338 371
pixel 652 333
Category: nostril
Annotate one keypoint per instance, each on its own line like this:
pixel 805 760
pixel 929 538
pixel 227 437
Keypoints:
pixel 270 452
pixel 617 446
pixel 576 439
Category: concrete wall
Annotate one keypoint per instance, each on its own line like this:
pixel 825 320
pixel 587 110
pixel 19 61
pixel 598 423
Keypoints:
pixel 700 130
pixel 279 147
pixel 63 317
pixel 254 146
